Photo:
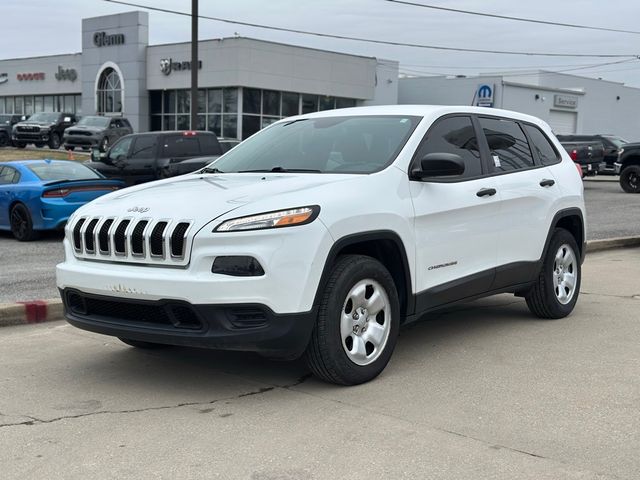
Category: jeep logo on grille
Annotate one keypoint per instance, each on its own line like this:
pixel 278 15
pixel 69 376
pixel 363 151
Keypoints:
pixel 138 209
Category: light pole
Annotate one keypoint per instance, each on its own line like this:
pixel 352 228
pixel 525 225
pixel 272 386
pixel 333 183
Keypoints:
pixel 194 64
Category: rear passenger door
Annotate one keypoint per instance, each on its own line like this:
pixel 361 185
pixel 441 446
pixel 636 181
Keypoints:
pixel 142 158
pixel 528 192
pixel 455 217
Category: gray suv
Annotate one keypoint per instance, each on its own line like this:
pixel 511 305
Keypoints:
pixel 96 132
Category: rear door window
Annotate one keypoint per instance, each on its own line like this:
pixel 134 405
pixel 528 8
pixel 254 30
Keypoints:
pixel 9 175
pixel 181 146
pixel 144 147
pixel 508 145
pixel 453 135
pixel 546 152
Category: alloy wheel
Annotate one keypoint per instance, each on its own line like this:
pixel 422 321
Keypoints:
pixel 564 274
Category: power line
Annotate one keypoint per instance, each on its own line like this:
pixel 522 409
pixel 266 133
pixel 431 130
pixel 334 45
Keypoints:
pixel 369 40
pixel 517 19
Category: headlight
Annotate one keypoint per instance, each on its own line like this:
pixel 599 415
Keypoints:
pixel 277 219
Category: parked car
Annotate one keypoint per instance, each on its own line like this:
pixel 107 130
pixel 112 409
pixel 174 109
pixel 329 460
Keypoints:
pixel 37 195
pixel 589 155
pixel 611 143
pixel 44 128
pixel 96 131
pixel 323 233
pixel 628 167
pixel 142 157
pixel 6 125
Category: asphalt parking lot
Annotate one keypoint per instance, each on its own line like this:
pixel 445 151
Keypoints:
pixel 28 269
pixel 483 391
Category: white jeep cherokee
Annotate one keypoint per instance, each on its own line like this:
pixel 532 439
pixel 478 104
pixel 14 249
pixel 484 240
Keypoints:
pixel 324 233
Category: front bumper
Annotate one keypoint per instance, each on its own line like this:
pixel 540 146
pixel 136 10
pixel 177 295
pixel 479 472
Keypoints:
pixel 247 327
pixel 41 137
pixel 617 167
pixel 82 141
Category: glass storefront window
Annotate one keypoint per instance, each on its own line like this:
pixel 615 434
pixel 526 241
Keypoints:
pixel 28 105
pixel 214 124
pixel 38 105
pixel 2 105
pixel 250 125
pixel 290 104
pixel 184 101
pixel 48 103
pixel 251 100
pixel 230 126
pixel 78 99
pixel 345 102
pixel 309 103
pixel 230 100
pixel 214 102
pixel 169 122
pixel 156 123
pixel 170 101
pixel 183 122
pixel 327 103
pixel 202 122
pixel 155 102
pixel 69 104
pixel 202 101
pixel 270 102
pixel 18 105
pixel 8 105
pixel 266 121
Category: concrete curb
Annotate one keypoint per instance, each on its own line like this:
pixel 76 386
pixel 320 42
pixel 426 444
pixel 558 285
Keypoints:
pixel 609 243
pixel 35 311
pixel 38 311
pixel 603 178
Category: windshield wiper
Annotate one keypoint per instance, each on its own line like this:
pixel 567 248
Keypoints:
pixel 282 170
pixel 210 170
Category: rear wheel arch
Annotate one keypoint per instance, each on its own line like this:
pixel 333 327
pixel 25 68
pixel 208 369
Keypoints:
pixel 572 220
pixel 385 246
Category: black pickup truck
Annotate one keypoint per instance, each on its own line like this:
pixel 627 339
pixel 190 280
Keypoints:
pixel 6 126
pixel 589 155
pixel 142 157
pixel 42 128
pixel 611 143
pixel 628 167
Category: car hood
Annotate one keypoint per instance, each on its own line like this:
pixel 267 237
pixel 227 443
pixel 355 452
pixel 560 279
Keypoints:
pixel 201 198
pixel 36 124
pixel 86 128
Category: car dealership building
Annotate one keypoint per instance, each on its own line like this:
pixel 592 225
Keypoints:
pixel 244 84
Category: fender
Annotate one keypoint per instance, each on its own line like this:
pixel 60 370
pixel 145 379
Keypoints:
pixel 407 302
pixel 567 212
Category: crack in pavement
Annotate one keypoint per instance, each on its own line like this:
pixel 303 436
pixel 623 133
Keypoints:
pixel 629 297
pixel 260 391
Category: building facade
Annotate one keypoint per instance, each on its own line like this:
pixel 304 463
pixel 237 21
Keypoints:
pixel 244 84
pixel 568 103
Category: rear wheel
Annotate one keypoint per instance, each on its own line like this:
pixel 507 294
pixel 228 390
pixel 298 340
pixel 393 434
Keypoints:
pixel 5 141
pixel 556 291
pixel 630 179
pixel 144 345
pixel 21 224
pixel 357 325
pixel 54 141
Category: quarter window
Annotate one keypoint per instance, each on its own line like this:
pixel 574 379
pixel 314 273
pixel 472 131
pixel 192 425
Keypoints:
pixel 543 147
pixel 508 145
pixel 9 175
pixel 454 135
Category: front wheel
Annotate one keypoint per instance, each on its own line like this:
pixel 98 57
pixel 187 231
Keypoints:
pixel 358 322
pixel 5 141
pixel 20 144
pixel 556 290
pixel 54 141
pixel 630 179
pixel 104 144
pixel 21 224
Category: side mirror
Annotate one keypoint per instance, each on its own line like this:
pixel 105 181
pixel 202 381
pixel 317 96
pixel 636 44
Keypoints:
pixel 438 165
pixel 95 154
pixel 67 119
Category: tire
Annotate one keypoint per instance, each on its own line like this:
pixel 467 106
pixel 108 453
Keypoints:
pixel 552 296
pixel 5 141
pixel 343 348
pixel 54 141
pixel 20 144
pixel 21 223
pixel 39 145
pixel 104 144
pixel 630 179
pixel 143 345
pixel 70 148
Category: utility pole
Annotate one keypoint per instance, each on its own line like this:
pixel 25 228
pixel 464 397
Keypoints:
pixel 194 64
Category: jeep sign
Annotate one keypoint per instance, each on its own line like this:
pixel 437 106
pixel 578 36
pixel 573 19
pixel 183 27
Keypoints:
pixel 66 74
pixel 102 39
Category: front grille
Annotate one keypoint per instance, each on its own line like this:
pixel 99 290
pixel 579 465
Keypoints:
pixel 79 132
pixel 167 315
pixel 131 240
pixel 28 128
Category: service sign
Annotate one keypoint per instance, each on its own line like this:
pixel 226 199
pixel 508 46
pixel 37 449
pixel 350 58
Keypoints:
pixel 565 101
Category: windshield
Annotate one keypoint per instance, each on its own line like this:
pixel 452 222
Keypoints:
pixel 5 119
pixel 44 117
pixel 617 141
pixel 354 144
pixel 62 171
pixel 94 122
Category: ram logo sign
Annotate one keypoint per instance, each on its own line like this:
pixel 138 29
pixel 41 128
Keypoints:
pixel 484 95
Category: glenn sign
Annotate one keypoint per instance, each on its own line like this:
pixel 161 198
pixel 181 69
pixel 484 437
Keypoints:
pixel 103 39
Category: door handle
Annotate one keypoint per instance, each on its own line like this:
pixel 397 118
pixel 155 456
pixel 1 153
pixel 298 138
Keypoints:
pixel 547 182
pixel 486 192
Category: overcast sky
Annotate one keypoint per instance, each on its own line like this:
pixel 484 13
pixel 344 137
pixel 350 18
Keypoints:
pixel 42 27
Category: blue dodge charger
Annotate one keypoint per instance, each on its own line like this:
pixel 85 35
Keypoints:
pixel 38 195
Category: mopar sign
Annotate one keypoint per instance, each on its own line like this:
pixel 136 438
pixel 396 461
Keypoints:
pixel 484 96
